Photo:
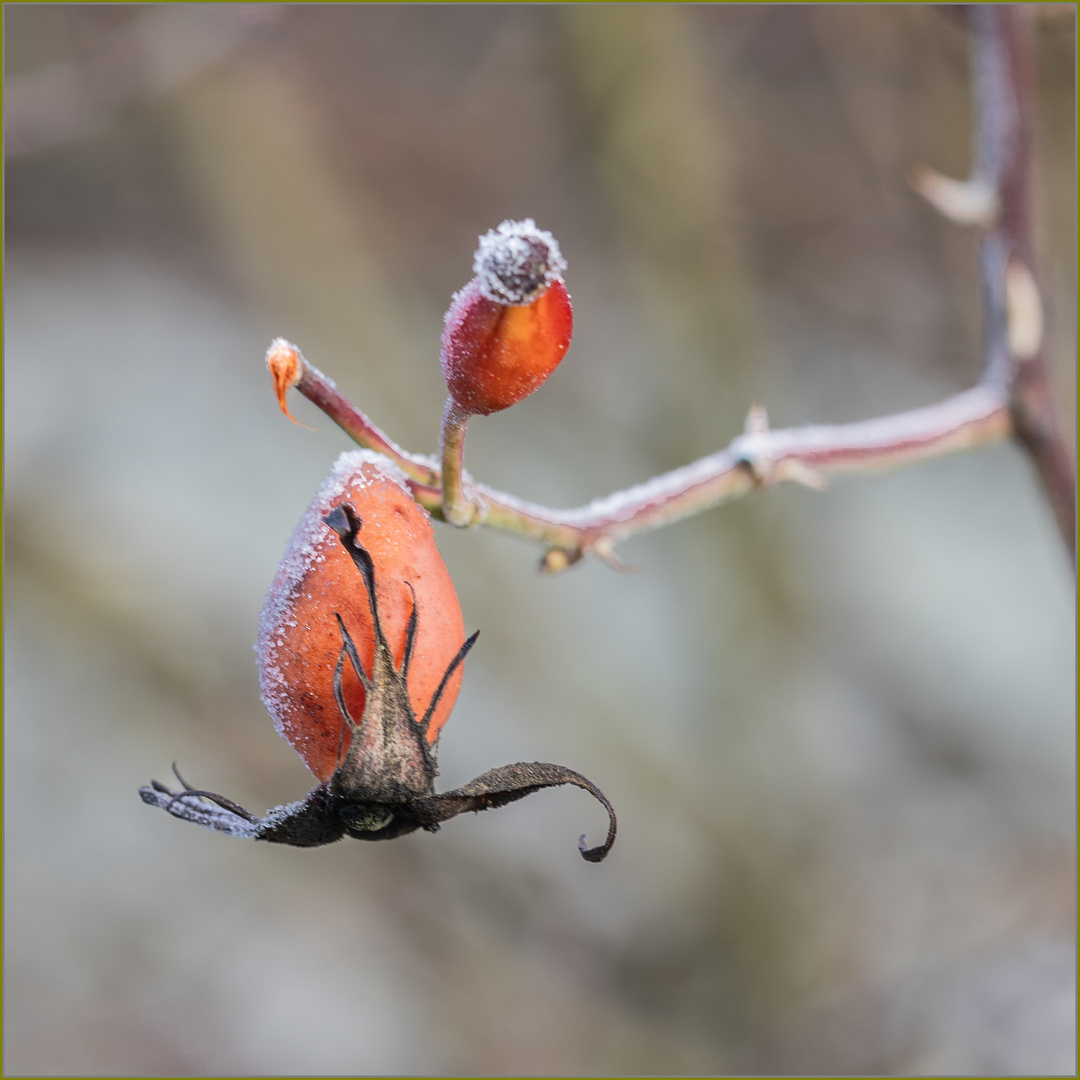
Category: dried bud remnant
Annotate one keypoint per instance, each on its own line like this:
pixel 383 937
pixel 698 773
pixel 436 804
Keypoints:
pixel 286 365
pixel 516 262
pixel 507 330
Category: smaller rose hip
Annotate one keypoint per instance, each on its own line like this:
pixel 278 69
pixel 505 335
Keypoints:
pixel 507 330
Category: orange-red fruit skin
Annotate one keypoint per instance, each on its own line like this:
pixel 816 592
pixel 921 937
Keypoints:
pixel 494 355
pixel 299 641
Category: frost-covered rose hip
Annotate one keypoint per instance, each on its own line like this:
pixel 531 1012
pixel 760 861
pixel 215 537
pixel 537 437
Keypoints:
pixel 360 648
pixel 507 330
pixel 317 582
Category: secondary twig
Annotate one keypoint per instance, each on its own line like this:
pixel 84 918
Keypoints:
pixel 1012 395
pixel 759 457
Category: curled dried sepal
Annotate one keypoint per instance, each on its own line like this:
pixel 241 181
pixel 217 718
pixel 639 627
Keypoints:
pixel 507 784
pixel 509 328
pixel 286 366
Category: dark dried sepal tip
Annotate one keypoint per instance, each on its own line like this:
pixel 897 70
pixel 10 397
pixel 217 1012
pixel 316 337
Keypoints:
pixel 596 854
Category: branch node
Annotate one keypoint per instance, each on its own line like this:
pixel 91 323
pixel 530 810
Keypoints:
pixel 753 447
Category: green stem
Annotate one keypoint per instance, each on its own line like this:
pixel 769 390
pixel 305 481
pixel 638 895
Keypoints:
pixel 457 507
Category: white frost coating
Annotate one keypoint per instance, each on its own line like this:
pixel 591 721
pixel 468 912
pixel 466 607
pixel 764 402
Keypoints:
pixel 318 375
pixel 516 262
pixel 307 548
pixel 914 428
pixel 430 460
pixel 282 344
pixel 203 812
pixel 624 504
pixel 280 813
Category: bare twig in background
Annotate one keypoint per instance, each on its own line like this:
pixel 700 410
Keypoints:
pixel 1005 33
pixel 147 55
pixel 1011 397
pixel 998 196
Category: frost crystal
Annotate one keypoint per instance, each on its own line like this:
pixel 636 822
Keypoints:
pixel 516 262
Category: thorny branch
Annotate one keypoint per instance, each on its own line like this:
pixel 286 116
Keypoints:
pixel 1012 395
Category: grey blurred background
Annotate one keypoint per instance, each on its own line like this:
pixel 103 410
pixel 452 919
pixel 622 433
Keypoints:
pixel 838 728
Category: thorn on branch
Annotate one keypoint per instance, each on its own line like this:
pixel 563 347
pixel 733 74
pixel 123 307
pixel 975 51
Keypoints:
pixel 795 471
pixel 754 449
pixel 605 549
pixel 1023 310
pixel 964 202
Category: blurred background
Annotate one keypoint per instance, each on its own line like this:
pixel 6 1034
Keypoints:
pixel 837 728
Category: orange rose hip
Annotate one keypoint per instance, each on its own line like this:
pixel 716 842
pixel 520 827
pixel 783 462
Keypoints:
pixel 360 652
pixel 299 637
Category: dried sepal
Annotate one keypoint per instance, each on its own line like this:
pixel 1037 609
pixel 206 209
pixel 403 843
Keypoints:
pixel 507 784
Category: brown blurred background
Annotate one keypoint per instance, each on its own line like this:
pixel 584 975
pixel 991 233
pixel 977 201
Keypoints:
pixel 838 728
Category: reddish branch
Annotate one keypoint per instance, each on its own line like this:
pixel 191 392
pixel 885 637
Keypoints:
pixel 1011 397
pixel 1003 33
pixel 759 457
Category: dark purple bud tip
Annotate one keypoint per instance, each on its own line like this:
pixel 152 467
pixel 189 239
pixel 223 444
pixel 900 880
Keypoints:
pixel 516 262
